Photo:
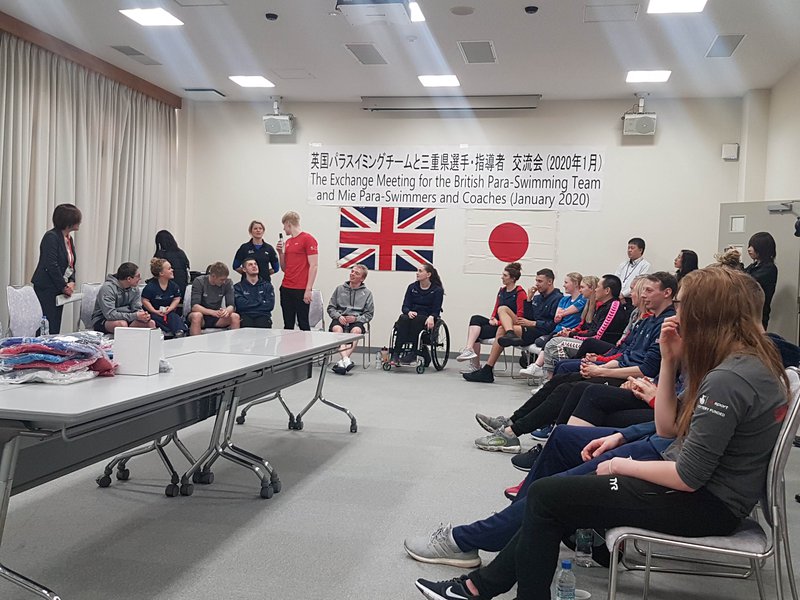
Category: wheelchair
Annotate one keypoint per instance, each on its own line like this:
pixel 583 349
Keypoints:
pixel 433 347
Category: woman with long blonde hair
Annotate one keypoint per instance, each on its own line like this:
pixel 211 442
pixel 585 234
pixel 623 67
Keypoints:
pixel 725 424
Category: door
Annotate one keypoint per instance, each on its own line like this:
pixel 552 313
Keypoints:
pixel 737 222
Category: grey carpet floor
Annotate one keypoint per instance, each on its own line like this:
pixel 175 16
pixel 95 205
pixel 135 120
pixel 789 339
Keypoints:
pixel 337 528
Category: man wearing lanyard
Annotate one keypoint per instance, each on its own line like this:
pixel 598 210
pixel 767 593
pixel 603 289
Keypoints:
pixel 633 267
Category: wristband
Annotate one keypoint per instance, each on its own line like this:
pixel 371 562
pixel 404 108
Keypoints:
pixel 652 402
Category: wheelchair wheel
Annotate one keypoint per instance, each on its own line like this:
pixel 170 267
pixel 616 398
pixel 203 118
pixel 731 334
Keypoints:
pixel 440 345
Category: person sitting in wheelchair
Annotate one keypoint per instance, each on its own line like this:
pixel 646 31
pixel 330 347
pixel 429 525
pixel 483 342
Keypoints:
pixel 422 305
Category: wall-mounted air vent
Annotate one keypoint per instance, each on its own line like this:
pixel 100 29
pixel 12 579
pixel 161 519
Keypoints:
pixel 136 55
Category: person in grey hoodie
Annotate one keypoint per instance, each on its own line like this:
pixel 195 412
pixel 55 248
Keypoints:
pixel 350 309
pixel 119 302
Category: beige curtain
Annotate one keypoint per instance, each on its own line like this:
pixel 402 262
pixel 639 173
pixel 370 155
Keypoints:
pixel 68 134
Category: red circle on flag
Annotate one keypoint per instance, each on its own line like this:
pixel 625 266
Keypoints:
pixel 508 242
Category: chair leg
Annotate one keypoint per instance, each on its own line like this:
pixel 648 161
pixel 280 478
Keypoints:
pixel 756 567
pixel 613 574
pixel 789 567
pixel 778 568
pixel 648 562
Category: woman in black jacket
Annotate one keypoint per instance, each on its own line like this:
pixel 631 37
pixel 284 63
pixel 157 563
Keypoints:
pixel 55 271
pixel 761 249
pixel 167 248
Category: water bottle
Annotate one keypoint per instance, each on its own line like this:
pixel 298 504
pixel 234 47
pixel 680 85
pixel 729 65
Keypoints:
pixel 565 584
pixel 584 538
pixel 44 326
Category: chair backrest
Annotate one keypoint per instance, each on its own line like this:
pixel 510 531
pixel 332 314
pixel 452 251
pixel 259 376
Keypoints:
pixel 187 300
pixel 24 311
pixel 775 482
pixel 89 291
pixel 316 311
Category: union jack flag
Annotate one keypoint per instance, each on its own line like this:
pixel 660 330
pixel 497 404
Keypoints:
pixel 386 238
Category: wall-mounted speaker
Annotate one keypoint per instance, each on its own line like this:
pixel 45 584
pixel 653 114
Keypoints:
pixel 639 124
pixel 279 124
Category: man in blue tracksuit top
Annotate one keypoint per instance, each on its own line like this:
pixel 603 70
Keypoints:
pixel 254 297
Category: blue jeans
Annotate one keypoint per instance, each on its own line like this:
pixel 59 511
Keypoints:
pixel 561 456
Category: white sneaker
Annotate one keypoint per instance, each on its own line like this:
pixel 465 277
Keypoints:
pixel 346 362
pixel 469 368
pixel 533 370
pixel 466 354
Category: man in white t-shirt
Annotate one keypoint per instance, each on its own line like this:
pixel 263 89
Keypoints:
pixel 630 269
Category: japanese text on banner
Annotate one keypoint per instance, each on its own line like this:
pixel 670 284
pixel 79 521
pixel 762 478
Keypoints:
pixel 502 177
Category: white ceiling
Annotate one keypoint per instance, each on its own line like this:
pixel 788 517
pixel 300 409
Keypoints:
pixel 553 52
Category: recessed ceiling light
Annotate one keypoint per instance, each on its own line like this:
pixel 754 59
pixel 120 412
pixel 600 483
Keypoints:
pixel 416 12
pixel 152 17
pixel 439 80
pixel 676 6
pixel 251 81
pixel 648 76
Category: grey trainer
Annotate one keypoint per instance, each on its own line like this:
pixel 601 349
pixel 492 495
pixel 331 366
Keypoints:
pixel 491 424
pixel 440 548
pixel 499 441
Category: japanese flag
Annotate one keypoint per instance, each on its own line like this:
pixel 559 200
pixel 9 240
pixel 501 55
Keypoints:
pixel 495 238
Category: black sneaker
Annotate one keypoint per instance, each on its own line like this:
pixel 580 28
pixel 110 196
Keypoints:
pixel 525 462
pixel 454 589
pixel 509 339
pixel 339 370
pixel 524 359
pixel 483 375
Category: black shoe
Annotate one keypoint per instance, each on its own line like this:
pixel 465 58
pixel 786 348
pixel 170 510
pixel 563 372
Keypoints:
pixel 408 357
pixel 349 366
pixel 483 375
pixel 524 359
pixel 454 589
pixel 339 370
pixel 509 339
pixel 525 462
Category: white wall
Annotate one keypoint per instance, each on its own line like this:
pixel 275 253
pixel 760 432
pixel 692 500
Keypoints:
pixel 783 146
pixel 665 189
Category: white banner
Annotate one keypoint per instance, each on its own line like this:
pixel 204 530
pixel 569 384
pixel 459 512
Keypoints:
pixel 487 177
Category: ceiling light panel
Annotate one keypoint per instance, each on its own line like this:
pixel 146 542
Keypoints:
pixel 724 46
pixel 152 17
pixel 648 76
pixel 478 53
pixel 439 80
pixel 415 12
pixel 676 6
pixel 251 81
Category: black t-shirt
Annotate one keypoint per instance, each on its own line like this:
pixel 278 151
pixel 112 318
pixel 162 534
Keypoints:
pixel 265 256
pixel 180 266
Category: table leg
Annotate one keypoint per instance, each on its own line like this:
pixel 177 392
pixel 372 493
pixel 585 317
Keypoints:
pixel 8 462
pixel 298 421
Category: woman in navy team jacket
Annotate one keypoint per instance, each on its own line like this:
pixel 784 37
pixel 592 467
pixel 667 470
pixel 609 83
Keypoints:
pixel 421 306
pixel 55 272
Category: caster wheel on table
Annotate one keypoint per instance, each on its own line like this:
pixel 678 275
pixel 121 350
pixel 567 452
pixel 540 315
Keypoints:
pixel 172 490
pixel 276 485
pixel 103 481
pixel 123 474
pixel 267 491
pixel 240 419
pixel 187 489
pixel 387 366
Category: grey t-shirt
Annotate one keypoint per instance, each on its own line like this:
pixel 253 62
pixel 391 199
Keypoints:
pixel 733 431
pixel 210 296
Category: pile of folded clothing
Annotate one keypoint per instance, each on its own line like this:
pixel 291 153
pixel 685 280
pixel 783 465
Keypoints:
pixel 57 359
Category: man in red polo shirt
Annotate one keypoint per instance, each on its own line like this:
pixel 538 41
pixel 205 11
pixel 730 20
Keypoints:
pixel 299 262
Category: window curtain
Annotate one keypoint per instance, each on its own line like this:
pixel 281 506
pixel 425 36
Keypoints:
pixel 68 134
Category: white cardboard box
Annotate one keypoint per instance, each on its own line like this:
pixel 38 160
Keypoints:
pixel 137 351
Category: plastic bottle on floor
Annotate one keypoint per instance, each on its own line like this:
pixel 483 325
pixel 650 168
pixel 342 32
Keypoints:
pixel 44 326
pixel 565 583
